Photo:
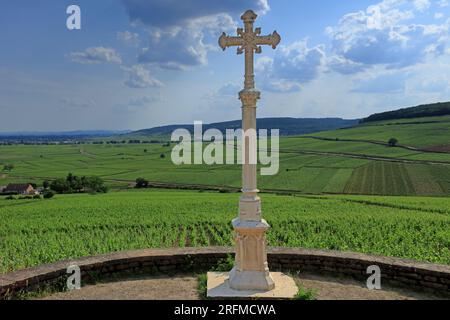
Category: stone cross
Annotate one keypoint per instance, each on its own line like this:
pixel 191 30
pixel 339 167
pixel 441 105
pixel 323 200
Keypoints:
pixel 251 270
pixel 250 41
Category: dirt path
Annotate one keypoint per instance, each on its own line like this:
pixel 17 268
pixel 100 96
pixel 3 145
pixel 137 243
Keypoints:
pixel 87 154
pixel 184 287
pixel 157 288
pixel 328 288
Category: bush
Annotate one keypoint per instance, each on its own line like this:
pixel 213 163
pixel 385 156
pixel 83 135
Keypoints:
pixel 141 183
pixel 49 194
pixel 10 198
pixel 305 294
pixel 36 196
pixel 393 142
pixel 8 167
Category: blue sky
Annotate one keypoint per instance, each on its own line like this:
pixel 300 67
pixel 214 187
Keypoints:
pixel 143 63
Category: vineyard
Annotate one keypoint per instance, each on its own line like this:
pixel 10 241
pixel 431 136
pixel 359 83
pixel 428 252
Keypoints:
pixel 34 232
pixel 300 169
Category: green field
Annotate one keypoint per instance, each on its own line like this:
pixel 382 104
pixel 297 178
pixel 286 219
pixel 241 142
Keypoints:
pixel 33 232
pixel 307 164
pixel 418 132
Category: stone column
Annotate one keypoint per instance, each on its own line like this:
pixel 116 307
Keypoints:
pixel 251 271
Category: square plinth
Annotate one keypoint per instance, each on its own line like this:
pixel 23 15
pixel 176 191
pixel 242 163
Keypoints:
pixel 219 287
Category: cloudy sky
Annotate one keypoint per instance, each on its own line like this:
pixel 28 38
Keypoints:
pixel 141 63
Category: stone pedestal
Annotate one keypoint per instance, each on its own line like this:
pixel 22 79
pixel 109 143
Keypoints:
pixel 251 270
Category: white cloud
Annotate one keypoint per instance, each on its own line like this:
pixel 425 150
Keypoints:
pixel 344 66
pixel 180 36
pixel 96 55
pixel 164 14
pixel 184 46
pixel 144 101
pixel 383 36
pixel 438 85
pixel 291 68
pixel 128 37
pixel 140 104
pixel 76 103
pixel 384 83
pixel 422 5
pixel 443 3
pixel 139 77
pixel 229 90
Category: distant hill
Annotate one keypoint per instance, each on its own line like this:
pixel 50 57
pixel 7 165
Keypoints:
pixel 287 126
pixel 77 133
pixel 426 110
pixel 32 137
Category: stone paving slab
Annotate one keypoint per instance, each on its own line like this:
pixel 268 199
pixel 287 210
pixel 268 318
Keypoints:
pixel 219 287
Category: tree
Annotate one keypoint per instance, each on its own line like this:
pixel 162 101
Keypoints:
pixel 74 183
pixel 48 194
pixel 46 184
pixel 60 186
pixel 393 142
pixel 8 167
pixel 94 184
pixel 141 183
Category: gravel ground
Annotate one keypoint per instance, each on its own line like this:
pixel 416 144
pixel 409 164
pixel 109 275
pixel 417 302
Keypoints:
pixel 184 287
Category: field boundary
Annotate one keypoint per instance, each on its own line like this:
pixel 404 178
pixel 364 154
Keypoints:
pixel 414 275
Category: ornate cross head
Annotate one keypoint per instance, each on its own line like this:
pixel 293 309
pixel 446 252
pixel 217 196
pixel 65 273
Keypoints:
pixel 249 40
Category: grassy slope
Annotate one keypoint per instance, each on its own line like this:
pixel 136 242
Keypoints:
pixel 42 231
pixel 418 132
pixel 336 171
pixel 426 110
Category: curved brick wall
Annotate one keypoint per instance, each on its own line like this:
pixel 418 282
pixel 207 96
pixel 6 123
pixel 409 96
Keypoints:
pixel 412 274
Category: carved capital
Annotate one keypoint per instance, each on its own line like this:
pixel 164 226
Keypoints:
pixel 249 97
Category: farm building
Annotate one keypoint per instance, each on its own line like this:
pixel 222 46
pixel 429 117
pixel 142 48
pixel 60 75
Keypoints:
pixel 20 188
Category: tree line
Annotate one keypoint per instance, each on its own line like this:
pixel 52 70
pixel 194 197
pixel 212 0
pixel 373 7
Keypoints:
pixel 76 184
pixel 426 110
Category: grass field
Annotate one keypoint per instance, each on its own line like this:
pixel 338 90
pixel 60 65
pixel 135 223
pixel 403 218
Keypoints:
pixel 33 232
pixel 418 132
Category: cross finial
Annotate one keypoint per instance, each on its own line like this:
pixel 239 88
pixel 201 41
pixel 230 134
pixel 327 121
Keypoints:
pixel 249 16
pixel 250 42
